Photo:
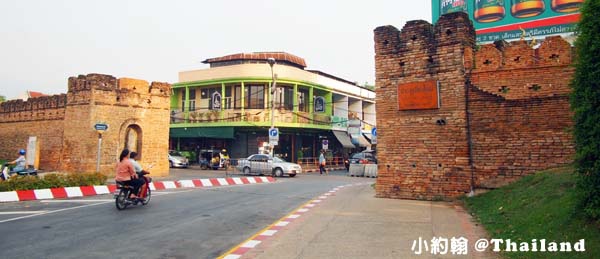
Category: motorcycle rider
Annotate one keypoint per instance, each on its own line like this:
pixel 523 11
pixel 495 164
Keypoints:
pixel 126 173
pixel 20 163
pixel 140 172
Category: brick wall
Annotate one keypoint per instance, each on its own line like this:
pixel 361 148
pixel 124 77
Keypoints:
pixel 520 113
pixel 67 139
pixel 505 106
pixel 41 117
pixel 418 158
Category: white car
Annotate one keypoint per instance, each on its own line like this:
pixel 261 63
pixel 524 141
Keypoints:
pixel 267 165
pixel 176 159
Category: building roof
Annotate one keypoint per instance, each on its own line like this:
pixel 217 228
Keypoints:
pixel 278 56
pixel 33 94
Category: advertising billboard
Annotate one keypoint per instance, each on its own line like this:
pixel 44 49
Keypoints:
pixel 512 19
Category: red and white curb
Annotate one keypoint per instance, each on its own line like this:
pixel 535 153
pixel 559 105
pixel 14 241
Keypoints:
pixel 271 230
pixel 81 191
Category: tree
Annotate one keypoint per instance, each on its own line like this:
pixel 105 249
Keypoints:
pixel 2 98
pixel 585 103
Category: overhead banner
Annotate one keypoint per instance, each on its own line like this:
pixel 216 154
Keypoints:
pixel 514 19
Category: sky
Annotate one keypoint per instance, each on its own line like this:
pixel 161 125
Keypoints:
pixel 44 42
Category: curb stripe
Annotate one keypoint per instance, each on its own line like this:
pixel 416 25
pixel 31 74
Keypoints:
pixel 222 182
pixel 215 182
pixel 88 190
pixel 42 194
pixel 26 195
pixel 58 193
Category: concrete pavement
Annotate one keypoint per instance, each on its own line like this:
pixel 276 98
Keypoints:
pixel 354 224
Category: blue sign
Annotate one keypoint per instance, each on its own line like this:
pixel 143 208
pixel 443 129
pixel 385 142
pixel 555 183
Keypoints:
pixel 374 132
pixel 319 104
pixel 273 135
pixel 273 132
pixel 101 126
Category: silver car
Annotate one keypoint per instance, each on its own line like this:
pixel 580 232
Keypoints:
pixel 176 159
pixel 267 165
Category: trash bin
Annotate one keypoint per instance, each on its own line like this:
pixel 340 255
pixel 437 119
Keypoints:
pixel 356 170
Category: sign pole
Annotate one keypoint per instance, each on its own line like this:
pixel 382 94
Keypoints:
pixel 100 128
pixel 99 152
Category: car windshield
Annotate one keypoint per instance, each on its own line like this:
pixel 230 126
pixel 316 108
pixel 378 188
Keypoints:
pixel 357 155
pixel 175 153
pixel 278 160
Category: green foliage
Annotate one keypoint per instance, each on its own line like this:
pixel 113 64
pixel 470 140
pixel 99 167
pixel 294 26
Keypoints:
pixel 2 98
pixel 52 181
pixel 585 102
pixel 540 206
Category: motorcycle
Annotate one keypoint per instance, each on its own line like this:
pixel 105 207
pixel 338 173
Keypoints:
pixel 123 191
pixel 5 172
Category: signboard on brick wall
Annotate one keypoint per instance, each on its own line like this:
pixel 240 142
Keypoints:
pixel 505 20
pixel 418 96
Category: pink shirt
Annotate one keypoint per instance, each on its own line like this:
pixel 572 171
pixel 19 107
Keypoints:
pixel 125 170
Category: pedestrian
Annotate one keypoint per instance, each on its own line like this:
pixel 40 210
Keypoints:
pixel 322 162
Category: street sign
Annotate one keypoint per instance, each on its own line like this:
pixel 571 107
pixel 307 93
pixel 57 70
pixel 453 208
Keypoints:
pixel 373 136
pixel 325 144
pixel 273 135
pixel 101 127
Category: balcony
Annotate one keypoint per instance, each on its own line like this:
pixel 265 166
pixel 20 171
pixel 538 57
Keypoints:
pixel 253 117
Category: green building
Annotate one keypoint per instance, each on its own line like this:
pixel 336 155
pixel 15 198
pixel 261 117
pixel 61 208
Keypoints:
pixel 229 106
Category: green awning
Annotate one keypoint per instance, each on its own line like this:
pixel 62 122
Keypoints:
pixel 202 132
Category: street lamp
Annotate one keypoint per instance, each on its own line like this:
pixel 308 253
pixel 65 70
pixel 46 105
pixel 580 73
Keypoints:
pixel 271 62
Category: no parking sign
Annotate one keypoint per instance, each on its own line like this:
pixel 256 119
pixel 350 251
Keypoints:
pixel 325 144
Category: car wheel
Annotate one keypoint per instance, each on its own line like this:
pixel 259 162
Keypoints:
pixel 246 170
pixel 278 172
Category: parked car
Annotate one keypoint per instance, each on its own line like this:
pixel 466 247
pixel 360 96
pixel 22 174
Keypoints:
pixel 364 157
pixel 176 159
pixel 267 165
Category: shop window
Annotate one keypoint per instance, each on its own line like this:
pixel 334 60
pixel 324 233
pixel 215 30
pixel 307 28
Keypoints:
pixel 302 100
pixel 255 98
pixel 284 98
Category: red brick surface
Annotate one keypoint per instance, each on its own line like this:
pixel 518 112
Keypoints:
pixel 504 109
pixel 64 123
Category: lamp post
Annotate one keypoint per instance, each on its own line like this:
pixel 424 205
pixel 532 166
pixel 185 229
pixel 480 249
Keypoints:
pixel 271 62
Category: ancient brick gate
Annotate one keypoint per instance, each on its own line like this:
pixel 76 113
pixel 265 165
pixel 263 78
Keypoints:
pixel 137 114
pixel 450 117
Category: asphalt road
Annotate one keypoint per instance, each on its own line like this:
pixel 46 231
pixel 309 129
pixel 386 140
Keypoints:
pixel 183 223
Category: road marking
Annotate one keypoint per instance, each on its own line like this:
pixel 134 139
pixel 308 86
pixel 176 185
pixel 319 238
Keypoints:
pixel 78 207
pixel 91 200
pixel 22 212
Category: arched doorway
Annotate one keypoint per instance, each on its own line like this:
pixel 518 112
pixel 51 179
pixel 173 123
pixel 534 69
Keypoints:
pixel 133 139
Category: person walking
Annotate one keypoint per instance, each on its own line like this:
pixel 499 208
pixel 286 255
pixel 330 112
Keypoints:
pixel 322 162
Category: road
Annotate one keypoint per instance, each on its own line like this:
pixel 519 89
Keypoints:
pixel 182 223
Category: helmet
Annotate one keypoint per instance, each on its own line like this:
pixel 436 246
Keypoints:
pixel 224 150
pixel 22 152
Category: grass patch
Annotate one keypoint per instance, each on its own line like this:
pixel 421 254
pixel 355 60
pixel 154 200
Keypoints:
pixel 539 206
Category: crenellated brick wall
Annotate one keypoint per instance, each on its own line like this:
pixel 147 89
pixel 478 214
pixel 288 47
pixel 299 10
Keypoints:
pixel 519 106
pixel 504 106
pixel 64 123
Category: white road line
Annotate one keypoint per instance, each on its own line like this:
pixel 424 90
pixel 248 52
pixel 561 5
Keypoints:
pixel 91 200
pixel 22 212
pixel 72 208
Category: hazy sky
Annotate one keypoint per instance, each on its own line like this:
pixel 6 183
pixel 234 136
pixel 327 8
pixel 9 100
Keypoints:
pixel 45 42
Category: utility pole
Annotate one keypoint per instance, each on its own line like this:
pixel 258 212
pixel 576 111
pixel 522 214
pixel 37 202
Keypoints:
pixel 271 62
